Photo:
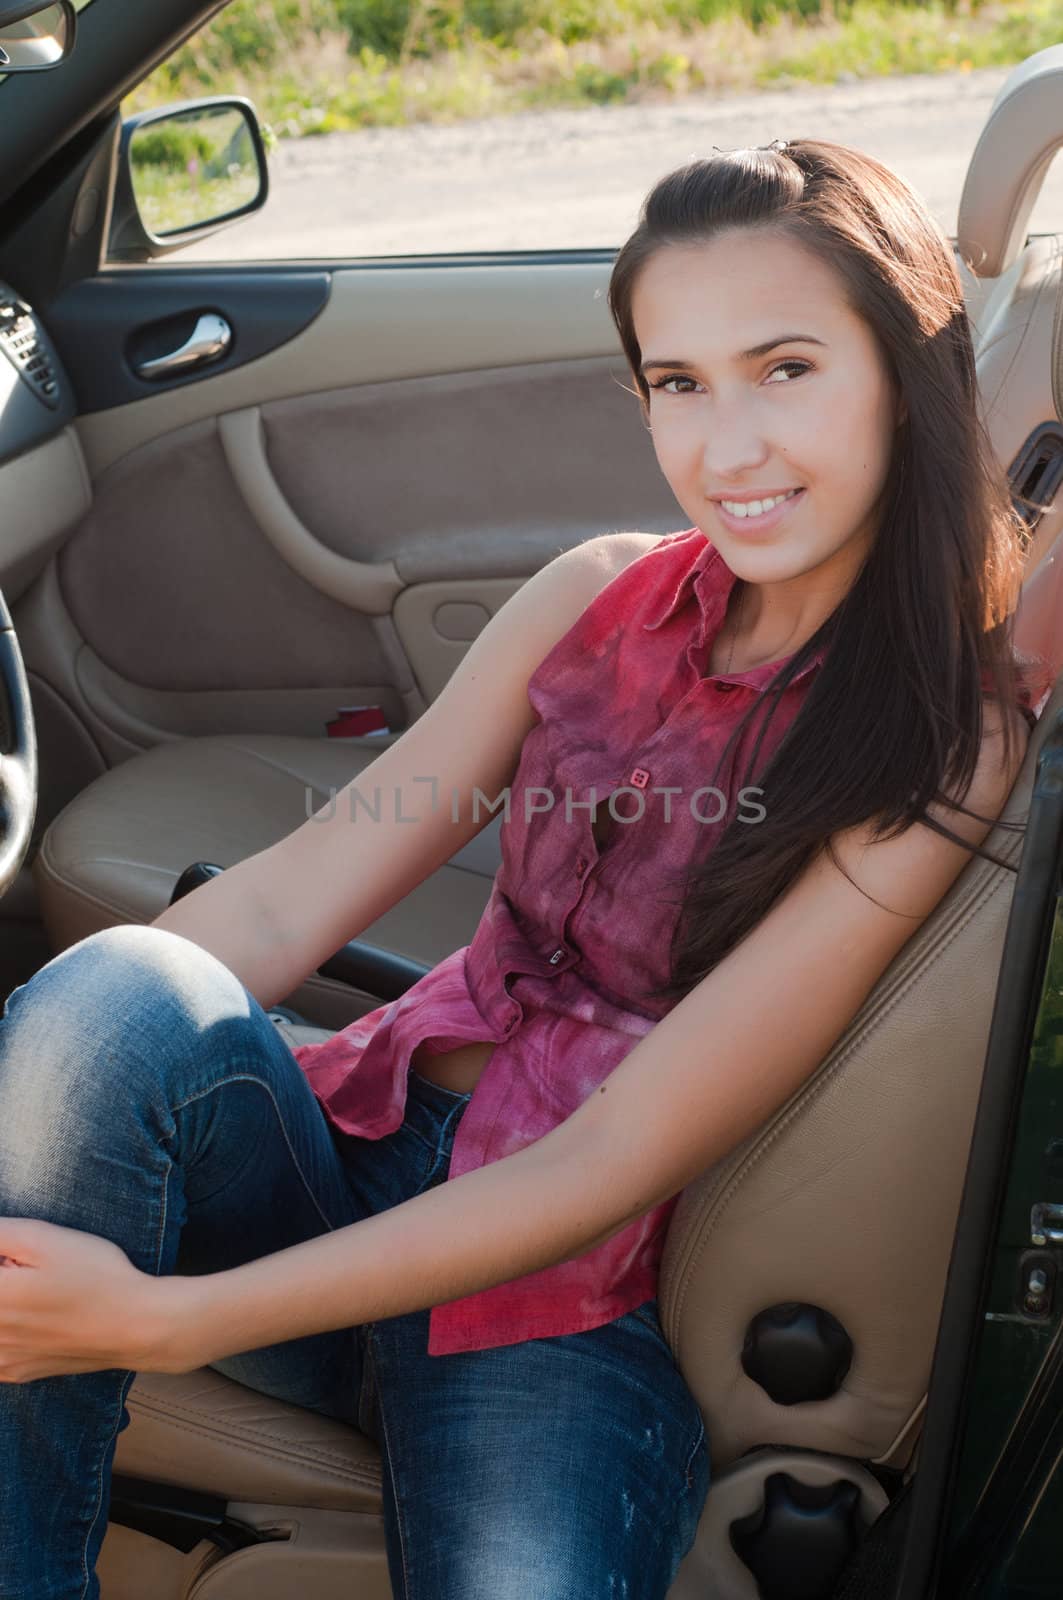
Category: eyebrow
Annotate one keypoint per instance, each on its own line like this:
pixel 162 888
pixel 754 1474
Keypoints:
pixel 746 355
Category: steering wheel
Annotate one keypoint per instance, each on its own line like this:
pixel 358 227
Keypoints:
pixel 18 757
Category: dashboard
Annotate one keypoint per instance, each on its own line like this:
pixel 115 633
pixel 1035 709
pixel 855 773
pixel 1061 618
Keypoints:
pixel 36 396
pixel 44 483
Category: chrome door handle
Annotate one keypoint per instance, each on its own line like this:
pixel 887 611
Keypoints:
pixel 209 339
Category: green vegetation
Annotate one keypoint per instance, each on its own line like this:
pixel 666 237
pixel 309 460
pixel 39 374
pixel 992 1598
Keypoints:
pixel 314 66
pixel 170 146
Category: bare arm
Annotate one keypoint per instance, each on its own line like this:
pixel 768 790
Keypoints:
pixel 276 916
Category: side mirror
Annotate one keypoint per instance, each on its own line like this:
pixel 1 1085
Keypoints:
pixel 184 172
pixel 35 37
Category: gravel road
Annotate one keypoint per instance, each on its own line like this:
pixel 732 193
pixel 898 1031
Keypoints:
pixel 575 178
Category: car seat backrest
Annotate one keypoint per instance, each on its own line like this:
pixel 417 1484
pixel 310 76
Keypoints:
pixel 1021 135
pixel 845 1203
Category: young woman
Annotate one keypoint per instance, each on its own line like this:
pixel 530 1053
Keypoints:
pixel 446 1226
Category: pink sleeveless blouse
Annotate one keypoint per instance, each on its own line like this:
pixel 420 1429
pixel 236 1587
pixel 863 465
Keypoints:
pixel 573 936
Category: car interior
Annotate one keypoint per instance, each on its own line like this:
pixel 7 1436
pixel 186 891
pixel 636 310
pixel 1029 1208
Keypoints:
pixel 203 574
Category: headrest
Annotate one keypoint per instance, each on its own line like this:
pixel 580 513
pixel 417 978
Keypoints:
pixel 1014 151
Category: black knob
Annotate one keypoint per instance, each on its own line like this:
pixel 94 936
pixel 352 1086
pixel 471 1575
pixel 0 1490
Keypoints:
pixel 191 878
pixel 798 1543
pixel 797 1353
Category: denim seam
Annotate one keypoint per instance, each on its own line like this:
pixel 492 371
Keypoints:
pixel 646 1318
pixel 249 1077
pixel 395 1497
pixel 164 1213
pixel 441 1141
pixel 693 1452
pixel 125 1383
pixel 381 1409
pixel 367 1387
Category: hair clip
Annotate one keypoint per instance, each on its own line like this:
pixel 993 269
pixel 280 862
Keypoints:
pixel 776 144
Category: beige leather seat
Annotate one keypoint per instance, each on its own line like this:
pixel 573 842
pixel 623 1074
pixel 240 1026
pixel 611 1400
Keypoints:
pixel 114 853
pixel 845 1203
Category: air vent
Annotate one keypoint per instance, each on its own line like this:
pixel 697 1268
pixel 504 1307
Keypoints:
pixel 20 340
pixel 1036 473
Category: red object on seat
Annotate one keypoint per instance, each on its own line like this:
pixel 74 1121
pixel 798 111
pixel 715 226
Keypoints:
pixel 353 720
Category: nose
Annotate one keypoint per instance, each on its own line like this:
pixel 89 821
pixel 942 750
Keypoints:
pixel 733 447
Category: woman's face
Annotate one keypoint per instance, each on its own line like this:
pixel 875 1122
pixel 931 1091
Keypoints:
pixel 733 426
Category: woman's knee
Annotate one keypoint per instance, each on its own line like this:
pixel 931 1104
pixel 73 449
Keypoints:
pixel 131 981
pixel 99 1030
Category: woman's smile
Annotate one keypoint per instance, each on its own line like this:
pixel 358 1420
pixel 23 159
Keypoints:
pixel 757 516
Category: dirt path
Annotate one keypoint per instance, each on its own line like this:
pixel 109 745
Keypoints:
pixel 572 178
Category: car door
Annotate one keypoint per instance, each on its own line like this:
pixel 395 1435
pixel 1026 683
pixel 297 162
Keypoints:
pixel 325 517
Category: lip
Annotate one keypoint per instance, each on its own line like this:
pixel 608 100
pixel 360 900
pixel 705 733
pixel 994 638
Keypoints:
pixel 755 494
pixel 753 527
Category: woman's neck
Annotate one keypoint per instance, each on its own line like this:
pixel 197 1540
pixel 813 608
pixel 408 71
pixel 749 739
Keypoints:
pixel 742 644
pixel 768 622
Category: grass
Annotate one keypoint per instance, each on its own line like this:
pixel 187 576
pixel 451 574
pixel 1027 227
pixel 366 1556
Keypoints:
pixel 317 66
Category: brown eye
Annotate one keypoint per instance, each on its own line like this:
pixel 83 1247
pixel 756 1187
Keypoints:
pixel 673 377
pixel 793 368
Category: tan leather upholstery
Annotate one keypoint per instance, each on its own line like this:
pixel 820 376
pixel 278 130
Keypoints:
pixel 114 854
pixel 203 1430
pixel 1018 142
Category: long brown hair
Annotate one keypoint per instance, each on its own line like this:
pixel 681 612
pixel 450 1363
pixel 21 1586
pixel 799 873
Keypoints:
pixel 894 713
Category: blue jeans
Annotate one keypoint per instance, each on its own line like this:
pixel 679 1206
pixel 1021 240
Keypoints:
pixel 146 1096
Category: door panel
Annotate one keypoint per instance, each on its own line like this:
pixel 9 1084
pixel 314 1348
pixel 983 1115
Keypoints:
pixel 332 522
pixel 383 323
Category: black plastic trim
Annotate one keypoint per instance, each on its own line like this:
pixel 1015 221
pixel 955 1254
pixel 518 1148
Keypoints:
pixel 181 1518
pixel 1022 965
pixel 1018 1482
pixel 1044 443
pixel 27 416
pixel 366 967
pixel 94 322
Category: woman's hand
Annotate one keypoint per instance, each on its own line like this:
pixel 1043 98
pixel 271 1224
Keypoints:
pixel 73 1302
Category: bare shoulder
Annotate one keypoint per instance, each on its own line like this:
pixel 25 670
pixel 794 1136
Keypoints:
pixel 583 572
pixel 619 550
